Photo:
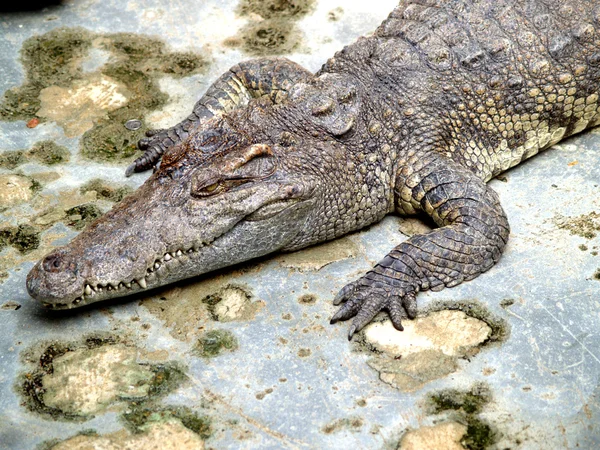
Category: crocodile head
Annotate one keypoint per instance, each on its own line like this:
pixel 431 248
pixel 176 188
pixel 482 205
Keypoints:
pixel 219 198
pixel 261 179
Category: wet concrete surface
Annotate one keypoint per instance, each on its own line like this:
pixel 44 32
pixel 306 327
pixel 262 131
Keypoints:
pixel 246 358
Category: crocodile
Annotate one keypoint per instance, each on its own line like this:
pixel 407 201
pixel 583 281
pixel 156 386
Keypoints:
pixel 413 119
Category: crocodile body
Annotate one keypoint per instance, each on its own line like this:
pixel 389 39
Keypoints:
pixel 414 119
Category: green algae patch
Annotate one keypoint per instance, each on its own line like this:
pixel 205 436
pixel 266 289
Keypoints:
pixel 268 9
pixel 464 406
pixel 271 28
pixel 24 238
pixel 137 419
pixel 139 62
pixel 479 435
pixel 3 274
pixel 470 402
pixel 78 380
pixel 115 369
pixel 50 59
pixel 96 104
pixel 81 216
pixel 12 159
pixel 215 342
pixel 106 190
pixel 167 377
pixel 267 37
pixel 44 152
pixel 48 153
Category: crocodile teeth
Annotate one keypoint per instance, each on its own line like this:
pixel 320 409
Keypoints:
pixel 77 300
pixel 121 285
pixel 157 265
pixel 128 285
pixel 142 283
pixel 88 290
pixel 191 250
pixel 168 257
pixel 179 253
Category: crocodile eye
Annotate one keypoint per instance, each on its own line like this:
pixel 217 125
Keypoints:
pixel 210 189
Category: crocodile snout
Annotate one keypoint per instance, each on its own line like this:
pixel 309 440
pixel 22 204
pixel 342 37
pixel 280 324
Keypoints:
pixel 54 278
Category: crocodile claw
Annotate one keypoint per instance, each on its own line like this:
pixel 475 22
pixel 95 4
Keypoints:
pixel 144 143
pixel 364 302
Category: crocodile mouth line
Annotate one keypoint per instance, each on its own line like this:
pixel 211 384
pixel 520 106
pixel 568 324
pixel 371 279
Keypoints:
pixel 159 267
pixel 132 285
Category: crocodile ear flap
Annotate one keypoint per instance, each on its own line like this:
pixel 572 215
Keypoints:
pixel 333 103
pixel 335 116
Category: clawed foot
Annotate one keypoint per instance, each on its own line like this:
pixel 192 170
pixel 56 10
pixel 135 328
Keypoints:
pixel 151 138
pixel 154 145
pixel 364 299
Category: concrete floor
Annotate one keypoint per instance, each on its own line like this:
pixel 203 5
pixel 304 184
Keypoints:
pixel 246 358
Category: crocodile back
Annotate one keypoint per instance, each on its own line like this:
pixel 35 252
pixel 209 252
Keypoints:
pixel 490 82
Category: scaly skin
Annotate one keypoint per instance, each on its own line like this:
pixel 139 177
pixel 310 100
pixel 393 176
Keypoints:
pixel 415 119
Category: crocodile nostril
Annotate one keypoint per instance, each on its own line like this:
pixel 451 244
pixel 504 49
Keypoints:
pixel 52 263
pixel 56 262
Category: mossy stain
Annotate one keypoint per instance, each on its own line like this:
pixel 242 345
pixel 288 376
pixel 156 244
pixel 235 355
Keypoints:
pixel 215 342
pixel 167 378
pixel 271 29
pixel 12 159
pixel 130 382
pixel 44 152
pixel 106 190
pixel 49 59
pixel 479 435
pixel 471 401
pixel 267 37
pixel 466 405
pixel 54 60
pixel 137 418
pixel 24 238
pixel 48 153
pixel 269 9
pixel 80 216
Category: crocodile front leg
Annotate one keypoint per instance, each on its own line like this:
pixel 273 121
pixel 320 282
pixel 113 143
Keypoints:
pixel 472 235
pixel 262 77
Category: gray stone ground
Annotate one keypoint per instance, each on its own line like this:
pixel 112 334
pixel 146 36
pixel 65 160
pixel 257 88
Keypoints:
pixel 245 358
